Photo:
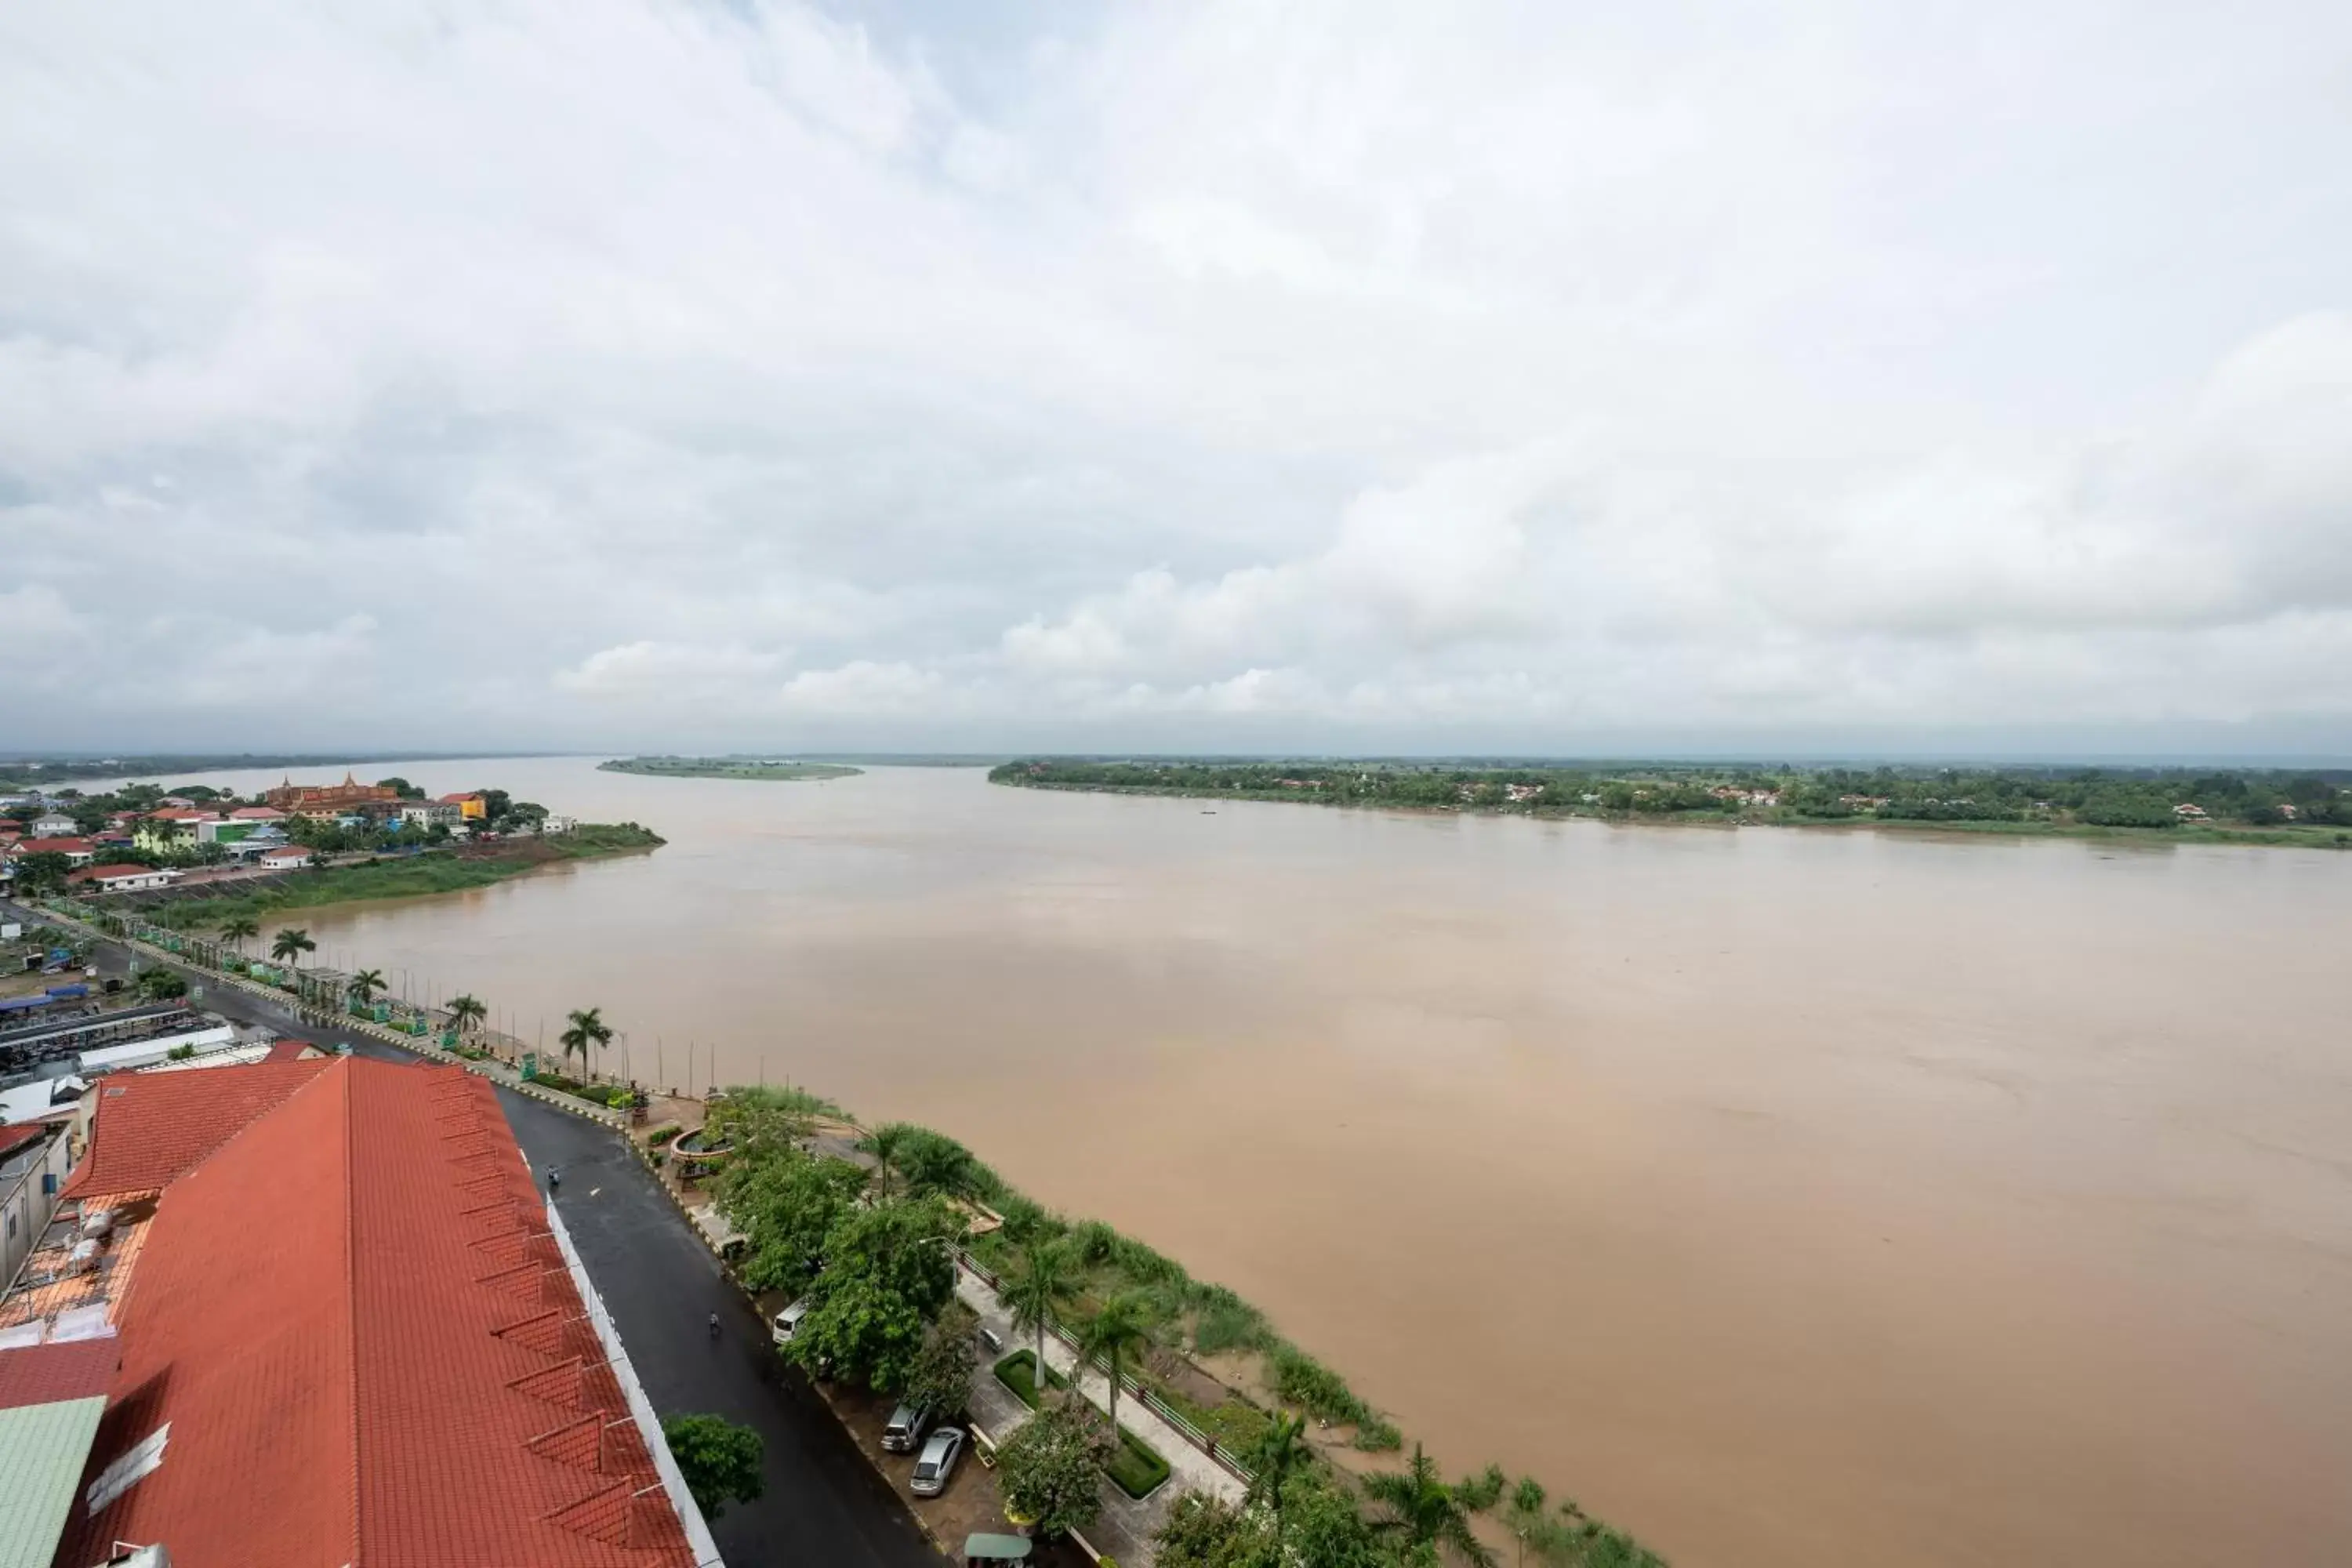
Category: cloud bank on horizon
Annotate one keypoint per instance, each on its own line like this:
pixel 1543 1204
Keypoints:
pixel 636 372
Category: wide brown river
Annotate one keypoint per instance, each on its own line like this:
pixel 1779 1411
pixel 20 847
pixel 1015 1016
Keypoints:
pixel 1788 1198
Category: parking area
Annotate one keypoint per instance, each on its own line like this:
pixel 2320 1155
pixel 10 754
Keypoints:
pixel 971 1503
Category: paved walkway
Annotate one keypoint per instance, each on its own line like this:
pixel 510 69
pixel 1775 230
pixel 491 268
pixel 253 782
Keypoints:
pixel 1127 1525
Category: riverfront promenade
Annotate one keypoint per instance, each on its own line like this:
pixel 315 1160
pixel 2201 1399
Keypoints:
pixel 1126 1524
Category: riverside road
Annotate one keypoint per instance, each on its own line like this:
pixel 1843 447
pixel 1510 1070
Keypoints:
pixel 823 1504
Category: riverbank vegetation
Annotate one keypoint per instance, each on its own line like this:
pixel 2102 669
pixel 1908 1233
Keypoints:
pixel 407 876
pixel 2312 807
pixel 868 1248
pixel 727 768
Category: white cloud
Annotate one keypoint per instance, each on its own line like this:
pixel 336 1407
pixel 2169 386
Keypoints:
pixel 1539 370
pixel 861 688
pixel 667 670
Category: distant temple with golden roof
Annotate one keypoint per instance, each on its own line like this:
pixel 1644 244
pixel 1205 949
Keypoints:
pixel 330 800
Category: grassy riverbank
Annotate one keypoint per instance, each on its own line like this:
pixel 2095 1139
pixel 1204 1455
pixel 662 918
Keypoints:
pixel 726 768
pixel 403 877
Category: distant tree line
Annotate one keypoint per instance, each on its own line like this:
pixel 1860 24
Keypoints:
pixel 2096 797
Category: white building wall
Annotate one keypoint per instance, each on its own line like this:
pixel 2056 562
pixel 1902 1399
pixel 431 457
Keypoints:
pixel 27 1201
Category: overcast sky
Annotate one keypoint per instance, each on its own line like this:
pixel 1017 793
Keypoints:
pixel 1542 378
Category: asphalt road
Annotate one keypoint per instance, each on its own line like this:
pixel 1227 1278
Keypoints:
pixel 825 1505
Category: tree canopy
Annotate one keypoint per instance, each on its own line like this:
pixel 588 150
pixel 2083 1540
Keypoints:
pixel 1049 1470
pixel 889 1271
pixel 720 1459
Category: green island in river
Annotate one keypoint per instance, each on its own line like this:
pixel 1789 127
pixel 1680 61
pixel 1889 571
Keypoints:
pixel 2310 808
pixel 726 768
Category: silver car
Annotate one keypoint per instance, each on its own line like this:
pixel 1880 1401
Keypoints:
pixel 937 1462
pixel 905 1429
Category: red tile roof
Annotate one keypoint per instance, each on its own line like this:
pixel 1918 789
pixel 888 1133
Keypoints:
pixel 43 1374
pixel 287 1050
pixel 369 1351
pixel 154 1128
pixel 52 846
pixel 15 1135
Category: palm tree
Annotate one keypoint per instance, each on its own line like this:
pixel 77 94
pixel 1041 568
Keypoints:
pixel 1277 1455
pixel 1420 1507
pixel 588 1028
pixel 884 1143
pixel 1041 1282
pixel 365 985
pixel 1120 1329
pixel 237 932
pixel 290 946
pixel 467 1011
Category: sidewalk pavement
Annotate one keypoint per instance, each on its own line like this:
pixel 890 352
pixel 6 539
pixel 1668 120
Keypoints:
pixel 1127 1525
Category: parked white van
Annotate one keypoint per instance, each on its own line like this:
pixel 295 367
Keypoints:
pixel 788 1321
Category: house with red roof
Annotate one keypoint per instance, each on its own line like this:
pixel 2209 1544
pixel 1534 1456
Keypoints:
pixel 354 1334
pixel 78 852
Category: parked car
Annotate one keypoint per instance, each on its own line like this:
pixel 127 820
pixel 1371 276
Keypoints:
pixel 937 1462
pixel 905 1428
pixel 788 1322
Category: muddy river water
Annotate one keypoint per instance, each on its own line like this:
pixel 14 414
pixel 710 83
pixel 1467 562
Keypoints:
pixel 1786 1197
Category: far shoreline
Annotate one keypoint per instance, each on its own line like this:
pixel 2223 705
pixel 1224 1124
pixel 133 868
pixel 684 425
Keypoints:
pixel 2314 837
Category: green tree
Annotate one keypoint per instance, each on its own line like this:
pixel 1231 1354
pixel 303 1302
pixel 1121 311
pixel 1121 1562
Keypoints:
pixel 1042 1280
pixel 934 1162
pixel 588 1028
pixel 43 872
pixel 786 1206
pixel 884 1143
pixel 940 1380
pixel 1117 1333
pixel 1418 1510
pixel 1279 1454
pixel 289 944
pixel 1203 1531
pixel 759 1124
pixel 1050 1470
pixel 160 984
pixel 888 1272
pixel 363 985
pixel 719 1460
pixel 467 1011
pixel 236 932
pixel 1327 1529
